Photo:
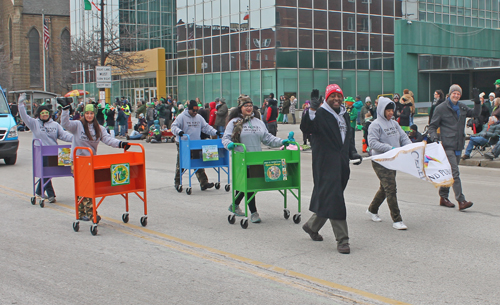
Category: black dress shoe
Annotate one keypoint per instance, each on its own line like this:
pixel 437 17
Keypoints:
pixel 314 235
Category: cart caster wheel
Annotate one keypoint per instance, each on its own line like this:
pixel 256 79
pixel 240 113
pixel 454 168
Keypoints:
pixel 42 203
pixel 93 230
pixel 33 200
pixel 188 191
pixel 179 188
pixel 125 217
pixel 231 219
pixel 286 213
pixel 144 221
pixel 217 185
pixel 227 187
pixel 296 218
pixel 244 223
pixel 76 226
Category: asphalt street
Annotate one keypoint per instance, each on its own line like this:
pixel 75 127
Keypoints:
pixel 189 253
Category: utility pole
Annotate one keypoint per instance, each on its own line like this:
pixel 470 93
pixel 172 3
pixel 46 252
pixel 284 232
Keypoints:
pixel 103 57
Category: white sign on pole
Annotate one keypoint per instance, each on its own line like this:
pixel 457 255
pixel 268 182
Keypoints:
pixel 102 95
pixel 103 76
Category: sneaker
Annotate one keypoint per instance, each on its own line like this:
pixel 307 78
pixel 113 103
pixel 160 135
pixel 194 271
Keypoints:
pixel 374 217
pixel 237 210
pixel 489 156
pixel 207 186
pixel 52 199
pixel 399 226
pixel 255 218
pixel 465 157
pixel 84 218
pixel 128 138
pixel 344 248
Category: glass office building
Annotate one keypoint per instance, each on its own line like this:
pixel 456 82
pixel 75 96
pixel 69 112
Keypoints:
pixel 284 46
pixel 255 47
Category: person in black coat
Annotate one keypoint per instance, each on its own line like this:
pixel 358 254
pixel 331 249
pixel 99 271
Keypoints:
pixel 438 99
pixel 329 125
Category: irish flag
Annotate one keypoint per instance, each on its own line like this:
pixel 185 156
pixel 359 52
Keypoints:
pixel 89 4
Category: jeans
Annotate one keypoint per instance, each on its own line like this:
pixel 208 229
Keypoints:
pixel 221 129
pixel 293 117
pixel 496 150
pixel 285 118
pixel 123 130
pixel 135 135
pixel 49 189
pixel 475 141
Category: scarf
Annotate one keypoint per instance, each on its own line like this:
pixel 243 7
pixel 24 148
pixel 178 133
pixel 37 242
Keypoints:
pixel 238 127
pixel 339 117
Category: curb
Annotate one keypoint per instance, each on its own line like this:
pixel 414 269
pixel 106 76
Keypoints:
pixel 481 163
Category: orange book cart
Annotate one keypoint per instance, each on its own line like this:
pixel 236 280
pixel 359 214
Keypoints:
pixel 93 180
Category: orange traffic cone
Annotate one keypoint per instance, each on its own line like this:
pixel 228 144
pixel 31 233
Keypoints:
pixel 365 146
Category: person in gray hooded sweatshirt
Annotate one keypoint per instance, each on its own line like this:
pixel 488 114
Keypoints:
pixel 244 127
pixel 47 131
pixel 385 134
pixel 191 123
pixel 87 133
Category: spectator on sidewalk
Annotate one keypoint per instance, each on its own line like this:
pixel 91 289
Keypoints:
pixel 450 117
pixel 489 130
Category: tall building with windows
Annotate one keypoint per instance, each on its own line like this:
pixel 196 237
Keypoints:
pixel 137 26
pixel 368 47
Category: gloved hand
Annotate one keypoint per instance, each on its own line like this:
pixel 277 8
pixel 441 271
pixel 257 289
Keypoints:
pixel 219 134
pixel 356 156
pixel 475 95
pixel 22 98
pixel 290 136
pixel 285 142
pixel 231 146
pixel 316 99
pixel 181 133
pixel 64 102
pixel 124 145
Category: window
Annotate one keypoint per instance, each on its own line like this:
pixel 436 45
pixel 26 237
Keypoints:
pixel 34 50
pixel 350 23
pixel 366 24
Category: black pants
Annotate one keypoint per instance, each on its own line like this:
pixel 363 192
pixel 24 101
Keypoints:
pixel 251 205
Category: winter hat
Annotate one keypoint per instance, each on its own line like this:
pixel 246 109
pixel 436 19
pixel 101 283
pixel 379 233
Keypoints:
pixel 42 108
pixel 492 94
pixel 497 82
pixel 414 127
pixel 141 115
pixel 389 105
pixel 358 97
pixel 454 88
pixel 181 107
pixel 192 104
pixel 331 89
pixel 396 96
pixel 368 99
pixel 243 99
pixel 349 100
pixel 89 107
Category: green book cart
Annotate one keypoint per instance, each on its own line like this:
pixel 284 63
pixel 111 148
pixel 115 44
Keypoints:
pixel 255 172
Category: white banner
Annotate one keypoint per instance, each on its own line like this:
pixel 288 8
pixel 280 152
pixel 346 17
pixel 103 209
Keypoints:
pixel 425 161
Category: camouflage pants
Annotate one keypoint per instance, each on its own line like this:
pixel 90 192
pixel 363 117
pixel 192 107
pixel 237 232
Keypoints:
pixel 200 173
pixel 387 190
pixel 85 208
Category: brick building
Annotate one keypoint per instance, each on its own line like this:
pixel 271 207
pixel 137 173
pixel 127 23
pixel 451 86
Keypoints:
pixel 21 42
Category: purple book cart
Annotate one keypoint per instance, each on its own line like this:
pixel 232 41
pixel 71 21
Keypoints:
pixel 45 166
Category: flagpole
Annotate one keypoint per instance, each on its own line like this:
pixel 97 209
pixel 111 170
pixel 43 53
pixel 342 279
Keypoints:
pixel 43 47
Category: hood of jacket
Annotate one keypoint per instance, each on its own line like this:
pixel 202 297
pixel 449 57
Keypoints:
pixel 382 103
pixel 358 105
pixel 212 105
pixel 273 102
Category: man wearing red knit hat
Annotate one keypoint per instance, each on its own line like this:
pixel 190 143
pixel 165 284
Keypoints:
pixel 328 122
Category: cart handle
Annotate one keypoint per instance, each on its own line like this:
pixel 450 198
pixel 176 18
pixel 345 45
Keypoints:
pixel 184 135
pixel 39 142
pixel 242 145
pixel 135 144
pixel 82 148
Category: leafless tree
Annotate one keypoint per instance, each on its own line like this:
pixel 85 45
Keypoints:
pixel 86 48
pixel 5 67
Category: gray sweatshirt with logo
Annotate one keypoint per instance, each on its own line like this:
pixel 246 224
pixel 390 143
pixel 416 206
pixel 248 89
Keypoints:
pixel 384 134
pixel 80 138
pixel 192 126
pixel 253 133
pixel 47 132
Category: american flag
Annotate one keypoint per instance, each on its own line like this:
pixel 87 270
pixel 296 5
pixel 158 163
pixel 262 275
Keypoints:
pixel 190 38
pixel 46 34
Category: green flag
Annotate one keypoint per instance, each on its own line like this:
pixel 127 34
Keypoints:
pixel 88 6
